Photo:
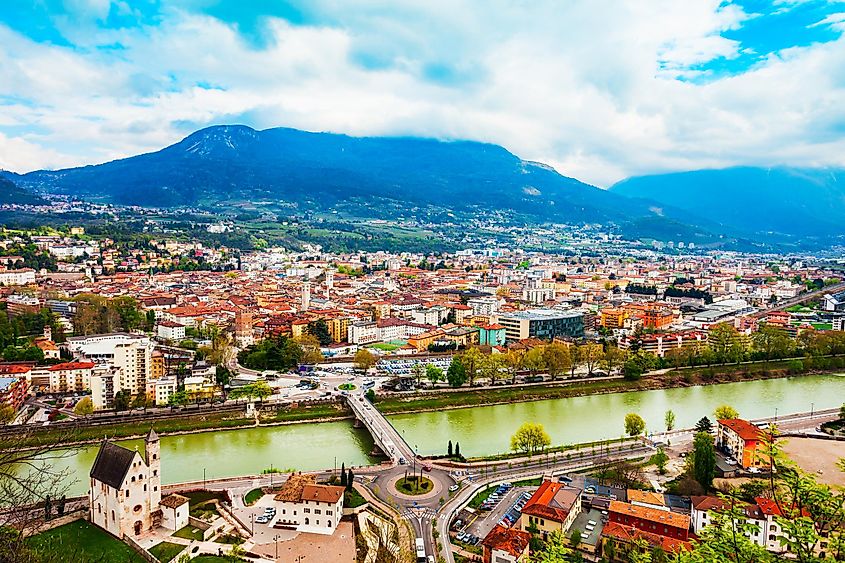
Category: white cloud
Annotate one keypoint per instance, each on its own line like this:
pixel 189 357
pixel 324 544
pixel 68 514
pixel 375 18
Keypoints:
pixel 589 87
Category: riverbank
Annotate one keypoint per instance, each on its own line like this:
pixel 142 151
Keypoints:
pixel 191 424
pixel 683 377
pixel 427 402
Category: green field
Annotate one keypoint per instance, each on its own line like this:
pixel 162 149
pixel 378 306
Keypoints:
pixel 166 551
pixel 82 542
pixel 253 496
pixel 189 533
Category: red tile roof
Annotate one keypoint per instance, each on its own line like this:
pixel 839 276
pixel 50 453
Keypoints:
pixel 663 517
pixel 510 540
pixel 743 428
pixel 544 504
pixel 72 365
pixel 629 534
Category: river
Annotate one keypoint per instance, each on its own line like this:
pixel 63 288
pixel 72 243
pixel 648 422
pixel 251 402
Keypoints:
pixel 480 430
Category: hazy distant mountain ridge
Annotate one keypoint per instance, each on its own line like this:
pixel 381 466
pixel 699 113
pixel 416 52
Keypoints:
pixel 236 162
pixel 10 193
pixel 796 201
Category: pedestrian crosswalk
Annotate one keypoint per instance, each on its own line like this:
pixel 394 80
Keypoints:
pixel 418 513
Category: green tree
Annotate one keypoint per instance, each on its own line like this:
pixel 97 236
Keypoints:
pixel 634 424
pixel 456 374
pixel 490 366
pixel 660 459
pixel 704 425
pixel 704 460
pixel 122 399
pixel 725 412
pixel 84 407
pixel 513 363
pixel 320 330
pixel 530 438
pixel 669 420
pixel 534 361
pixel 772 342
pixel 364 359
pixel 555 550
pixel 472 360
pixel 434 374
pixel 557 359
pixel 724 341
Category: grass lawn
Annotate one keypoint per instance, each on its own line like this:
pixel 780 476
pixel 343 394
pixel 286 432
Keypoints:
pixel 347 387
pixel 212 559
pixel 253 496
pixel 535 482
pixel 229 539
pixel 353 499
pixel 166 551
pixel 385 347
pixel 189 533
pixel 83 542
pixel 414 485
pixel 481 496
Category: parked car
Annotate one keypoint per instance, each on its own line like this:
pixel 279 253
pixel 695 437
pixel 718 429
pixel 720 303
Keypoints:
pixel 454 488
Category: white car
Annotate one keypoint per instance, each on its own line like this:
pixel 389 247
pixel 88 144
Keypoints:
pixel 730 461
pixel 454 488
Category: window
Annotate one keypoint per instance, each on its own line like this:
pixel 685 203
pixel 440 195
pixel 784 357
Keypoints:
pixel 317 511
pixel 329 523
pixel 328 512
pixel 306 510
pixel 155 472
pixel 137 508
pixel 112 515
pixel 133 478
pixel 99 508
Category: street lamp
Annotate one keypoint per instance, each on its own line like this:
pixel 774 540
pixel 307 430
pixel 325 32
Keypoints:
pixel 276 543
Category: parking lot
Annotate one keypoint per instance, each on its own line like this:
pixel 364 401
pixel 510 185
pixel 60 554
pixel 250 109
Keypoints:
pixel 501 509
pixel 263 531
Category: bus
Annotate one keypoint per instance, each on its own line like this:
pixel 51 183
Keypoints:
pixel 421 558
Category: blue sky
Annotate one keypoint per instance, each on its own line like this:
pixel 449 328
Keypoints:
pixel 600 89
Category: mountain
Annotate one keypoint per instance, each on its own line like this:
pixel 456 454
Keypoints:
pixel 751 201
pixel 10 193
pixel 320 171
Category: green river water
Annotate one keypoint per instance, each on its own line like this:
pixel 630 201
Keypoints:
pixel 480 430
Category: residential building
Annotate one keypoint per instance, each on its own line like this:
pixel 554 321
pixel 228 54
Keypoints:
pixel 744 441
pixel 552 508
pixel 655 520
pixel 505 545
pixel 491 335
pixel 171 331
pixel 13 392
pixel 305 506
pixel 17 277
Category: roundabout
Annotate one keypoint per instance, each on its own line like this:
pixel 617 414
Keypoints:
pixel 415 485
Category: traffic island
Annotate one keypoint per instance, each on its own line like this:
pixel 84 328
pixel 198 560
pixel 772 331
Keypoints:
pixel 415 485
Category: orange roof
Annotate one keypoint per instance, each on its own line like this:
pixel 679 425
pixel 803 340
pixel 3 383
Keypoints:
pixel 511 540
pixel 546 504
pixel 743 429
pixel 646 497
pixel 651 514
pixel 629 534
pixel 768 506
pixel 322 493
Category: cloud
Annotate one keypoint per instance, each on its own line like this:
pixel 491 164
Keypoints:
pixel 601 89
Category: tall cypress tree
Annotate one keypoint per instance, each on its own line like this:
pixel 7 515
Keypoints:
pixel 449 451
pixel 343 474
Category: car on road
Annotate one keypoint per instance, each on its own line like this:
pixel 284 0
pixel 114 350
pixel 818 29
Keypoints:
pixel 730 461
pixel 402 461
pixel 427 467
pixel 454 488
pixel 262 519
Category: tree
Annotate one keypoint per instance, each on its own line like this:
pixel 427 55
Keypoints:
pixel 575 539
pixel 342 474
pixel 350 479
pixel 669 420
pixel 261 389
pixel 772 342
pixel 417 370
pixel 634 424
pixel 84 407
pixel 725 412
pixel 457 449
pixel 122 400
pixel 449 449
pixel 704 425
pixel 456 374
pixel 139 401
pixel 632 370
pixel 530 438
pixel 7 414
pixel 724 341
pixel 513 363
pixel 591 354
pixel 364 359
pixel 555 550
pixel 472 359
pixel 533 360
pixel 660 459
pixel 310 344
pixel 223 377
pixel 557 359
pixel 434 374
pixel 612 358
pixel 704 459
pixel 370 395
pixel 320 330
pixel 490 366
pixel 842 412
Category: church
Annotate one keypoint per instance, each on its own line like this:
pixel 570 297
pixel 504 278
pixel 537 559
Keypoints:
pixel 125 491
